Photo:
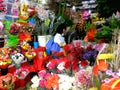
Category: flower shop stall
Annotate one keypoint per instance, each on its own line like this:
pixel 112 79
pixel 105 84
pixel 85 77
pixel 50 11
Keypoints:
pixel 90 57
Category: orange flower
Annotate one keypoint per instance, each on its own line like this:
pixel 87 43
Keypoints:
pixel 108 86
pixel 91 34
pixel 95 70
pixel 102 65
pixel 52 82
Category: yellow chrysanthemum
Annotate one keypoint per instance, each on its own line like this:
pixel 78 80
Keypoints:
pixel 93 88
pixel 105 56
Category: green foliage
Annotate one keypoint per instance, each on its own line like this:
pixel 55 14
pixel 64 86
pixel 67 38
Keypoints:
pixel 88 26
pixel 105 34
pixel 114 22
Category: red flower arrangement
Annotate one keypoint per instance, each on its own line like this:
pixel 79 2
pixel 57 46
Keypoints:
pixel 7 82
pixel 14 28
pixel 5 60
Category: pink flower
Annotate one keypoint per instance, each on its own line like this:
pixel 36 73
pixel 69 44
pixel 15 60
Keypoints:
pixel 22 75
pixel 47 75
pixel 51 64
pixel 82 77
pixel 42 83
pixel 42 73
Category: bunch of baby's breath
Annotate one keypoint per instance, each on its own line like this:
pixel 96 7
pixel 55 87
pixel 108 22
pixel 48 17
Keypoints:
pixel 116 50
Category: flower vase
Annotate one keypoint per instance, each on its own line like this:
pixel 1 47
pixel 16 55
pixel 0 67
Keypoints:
pixel 17 66
pixel 4 71
pixel 43 40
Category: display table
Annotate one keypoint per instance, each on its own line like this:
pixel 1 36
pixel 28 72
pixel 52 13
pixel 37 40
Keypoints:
pixel 38 64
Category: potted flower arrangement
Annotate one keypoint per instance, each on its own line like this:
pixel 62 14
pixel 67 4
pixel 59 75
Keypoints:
pixel 5 60
pixel 44 20
pixel 7 82
pixel 21 73
pixel 30 54
pixel 17 58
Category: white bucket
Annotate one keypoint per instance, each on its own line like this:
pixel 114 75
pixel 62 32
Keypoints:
pixel 43 40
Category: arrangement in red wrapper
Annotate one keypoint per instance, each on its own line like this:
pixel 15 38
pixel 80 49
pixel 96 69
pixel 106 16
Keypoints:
pixel 7 82
pixel 30 54
pixel 5 60
pixel 21 73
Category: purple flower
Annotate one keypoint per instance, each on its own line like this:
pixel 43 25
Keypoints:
pixel 109 72
pixel 114 74
pixel 106 80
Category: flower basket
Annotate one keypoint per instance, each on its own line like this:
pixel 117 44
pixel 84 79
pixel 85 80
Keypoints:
pixel 113 84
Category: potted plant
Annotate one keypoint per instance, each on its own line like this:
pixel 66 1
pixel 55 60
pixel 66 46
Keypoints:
pixel 42 25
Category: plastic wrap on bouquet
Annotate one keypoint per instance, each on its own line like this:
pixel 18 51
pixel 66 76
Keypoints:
pixel 17 65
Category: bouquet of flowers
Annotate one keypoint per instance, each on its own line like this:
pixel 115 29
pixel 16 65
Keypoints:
pixel 17 59
pixel 14 50
pixel 7 82
pixel 27 28
pixel 45 81
pixel 24 45
pixel 35 83
pixel 90 54
pixel 66 82
pixel 30 54
pixel 5 60
pixel 14 28
pixel 84 78
pixel 21 73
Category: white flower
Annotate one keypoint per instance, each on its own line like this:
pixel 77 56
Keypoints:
pixel 17 58
pixel 61 66
pixel 66 82
pixel 118 72
pixel 35 81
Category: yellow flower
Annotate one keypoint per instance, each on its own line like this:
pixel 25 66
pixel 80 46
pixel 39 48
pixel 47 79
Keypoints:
pixel 93 88
pixel 9 61
pixel 4 63
pixel 105 56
